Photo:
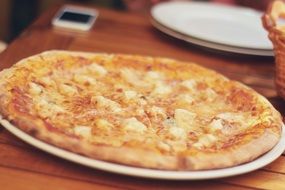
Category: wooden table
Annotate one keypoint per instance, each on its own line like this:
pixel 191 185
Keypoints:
pixel 25 167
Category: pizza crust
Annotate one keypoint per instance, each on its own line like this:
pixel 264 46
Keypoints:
pixel 242 154
pixel 145 159
pixel 237 154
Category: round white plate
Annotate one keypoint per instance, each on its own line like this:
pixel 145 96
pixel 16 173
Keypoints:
pixel 226 48
pixel 149 173
pixel 218 23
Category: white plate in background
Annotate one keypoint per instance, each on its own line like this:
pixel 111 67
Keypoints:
pixel 228 25
pixel 226 48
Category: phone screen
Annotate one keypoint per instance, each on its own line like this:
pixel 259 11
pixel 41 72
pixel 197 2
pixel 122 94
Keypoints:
pixel 75 17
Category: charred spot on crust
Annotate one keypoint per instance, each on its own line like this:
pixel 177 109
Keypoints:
pixel 33 132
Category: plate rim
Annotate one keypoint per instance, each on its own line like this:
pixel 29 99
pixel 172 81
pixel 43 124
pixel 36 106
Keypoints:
pixel 266 159
pixel 206 5
pixel 211 45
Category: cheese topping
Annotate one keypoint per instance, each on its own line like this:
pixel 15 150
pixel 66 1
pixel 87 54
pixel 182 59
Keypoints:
pixel 102 102
pixel 106 102
pixel 67 90
pixel 157 112
pixel 189 84
pixel 161 89
pixel 169 122
pixel 185 99
pixel 46 108
pixel 130 76
pixel 152 76
pixel 98 70
pixel 132 124
pixel 35 89
pixel 205 141
pixel 130 94
pixel 84 79
pixel 83 131
pixel 229 123
pixel 163 146
pixel 104 125
pixel 231 117
pixel 210 94
pixel 47 81
pixel 184 118
pixel 216 124
pixel 177 133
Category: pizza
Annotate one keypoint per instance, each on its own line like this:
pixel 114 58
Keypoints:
pixel 139 111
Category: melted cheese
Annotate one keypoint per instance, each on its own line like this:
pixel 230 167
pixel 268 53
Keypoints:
pixel 163 146
pixel 35 89
pixel 104 125
pixel 98 70
pixel 184 118
pixel 142 102
pixel 169 123
pixel 84 79
pixel 177 133
pixel 152 76
pixel 47 82
pixel 185 99
pixel 132 124
pixel 102 102
pixel 209 94
pixel 130 94
pixel 157 112
pixel 216 124
pixel 189 84
pixel 161 89
pixel 177 145
pixel 231 117
pixel 205 141
pixel 230 123
pixel 82 130
pixel 67 90
pixel 140 111
pixel 130 76
pixel 46 108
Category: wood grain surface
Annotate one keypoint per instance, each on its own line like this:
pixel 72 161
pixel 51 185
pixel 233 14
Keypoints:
pixel 25 167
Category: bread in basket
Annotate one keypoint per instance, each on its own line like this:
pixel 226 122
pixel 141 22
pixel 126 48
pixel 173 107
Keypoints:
pixel 277 35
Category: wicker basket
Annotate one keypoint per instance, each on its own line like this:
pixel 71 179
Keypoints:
pixel 277 35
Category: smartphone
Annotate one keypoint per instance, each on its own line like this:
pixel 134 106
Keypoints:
pixel 73 17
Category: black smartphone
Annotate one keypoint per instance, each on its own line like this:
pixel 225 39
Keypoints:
pixel 73 17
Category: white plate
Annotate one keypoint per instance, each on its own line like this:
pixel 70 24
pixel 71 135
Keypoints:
pixel 226 48
pixel 218 23
pixel 149 173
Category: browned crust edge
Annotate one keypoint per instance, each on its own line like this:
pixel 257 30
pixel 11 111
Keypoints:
pixel 143 158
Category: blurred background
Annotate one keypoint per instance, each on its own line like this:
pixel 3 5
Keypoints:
pixel 15 15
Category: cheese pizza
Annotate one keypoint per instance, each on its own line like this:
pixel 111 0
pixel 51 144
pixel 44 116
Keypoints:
pixel 135 110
